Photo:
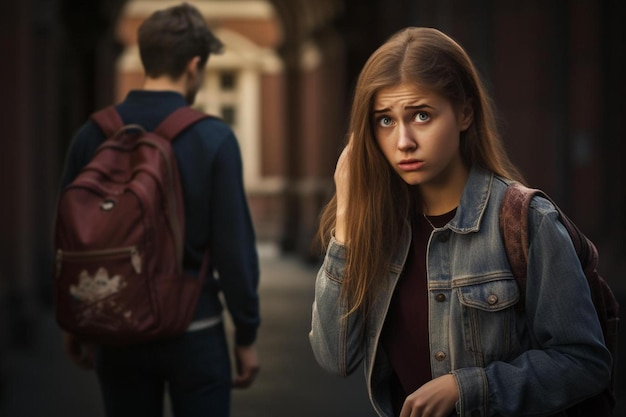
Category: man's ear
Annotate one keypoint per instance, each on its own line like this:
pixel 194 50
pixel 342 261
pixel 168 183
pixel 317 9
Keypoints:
pixel 466 116
pixel 193 66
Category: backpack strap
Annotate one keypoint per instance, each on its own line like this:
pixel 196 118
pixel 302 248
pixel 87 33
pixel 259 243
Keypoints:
pixel 172 126
pixel 514 230
pixel 179 120
pixel 108 119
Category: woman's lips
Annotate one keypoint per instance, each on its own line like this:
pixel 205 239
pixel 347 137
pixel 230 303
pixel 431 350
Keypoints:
pixel 410 164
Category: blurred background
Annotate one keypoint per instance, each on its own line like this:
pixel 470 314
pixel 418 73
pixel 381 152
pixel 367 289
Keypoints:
pixel 555 70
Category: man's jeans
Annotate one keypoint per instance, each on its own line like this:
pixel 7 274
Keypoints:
pixel 195 367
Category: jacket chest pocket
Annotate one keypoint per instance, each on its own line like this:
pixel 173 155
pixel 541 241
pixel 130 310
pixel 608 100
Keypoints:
pixel 488 318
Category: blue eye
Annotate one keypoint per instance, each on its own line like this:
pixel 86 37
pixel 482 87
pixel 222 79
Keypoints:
pixel 421 117
pixel 385 121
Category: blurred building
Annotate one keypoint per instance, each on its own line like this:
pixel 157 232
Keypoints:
pixel 279 84
pixel 247 87
pixel 555 70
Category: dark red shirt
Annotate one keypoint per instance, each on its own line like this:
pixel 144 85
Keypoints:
pixel 405 334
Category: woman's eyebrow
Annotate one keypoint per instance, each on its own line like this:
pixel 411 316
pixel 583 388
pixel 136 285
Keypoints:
pixel 416 107
pixel 420 107
pixel 381 110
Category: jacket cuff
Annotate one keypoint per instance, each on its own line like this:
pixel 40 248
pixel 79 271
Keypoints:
pixel 336 249
pixel 335 260
pixel 473 391
pixel 245 336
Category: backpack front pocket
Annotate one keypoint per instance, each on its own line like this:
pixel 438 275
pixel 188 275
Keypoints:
pixel 97 291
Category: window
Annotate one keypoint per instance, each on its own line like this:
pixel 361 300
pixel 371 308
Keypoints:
pixel 229 114
pixel 227 81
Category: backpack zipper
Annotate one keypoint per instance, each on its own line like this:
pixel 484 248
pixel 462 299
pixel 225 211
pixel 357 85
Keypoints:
pixel 131 251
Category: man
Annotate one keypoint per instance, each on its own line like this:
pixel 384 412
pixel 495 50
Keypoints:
pixel 175 45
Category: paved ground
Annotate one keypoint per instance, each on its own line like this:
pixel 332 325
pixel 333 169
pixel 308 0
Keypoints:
pixel 41 382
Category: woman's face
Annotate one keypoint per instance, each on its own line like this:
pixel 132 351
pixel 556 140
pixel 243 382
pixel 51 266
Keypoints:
pixel 418 131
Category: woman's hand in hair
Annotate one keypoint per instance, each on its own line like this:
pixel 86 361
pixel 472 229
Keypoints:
pixel 342 179
pixel 436 398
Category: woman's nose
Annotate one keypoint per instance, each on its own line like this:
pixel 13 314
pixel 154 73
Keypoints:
pixel 406 138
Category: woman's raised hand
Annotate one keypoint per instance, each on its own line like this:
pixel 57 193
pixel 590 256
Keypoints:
pixel 342 179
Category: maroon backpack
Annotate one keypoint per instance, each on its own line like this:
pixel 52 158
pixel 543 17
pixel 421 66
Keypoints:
pixel 514 229
pixel 119 237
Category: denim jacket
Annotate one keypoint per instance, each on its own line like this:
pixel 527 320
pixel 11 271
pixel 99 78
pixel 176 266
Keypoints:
pixel 506 361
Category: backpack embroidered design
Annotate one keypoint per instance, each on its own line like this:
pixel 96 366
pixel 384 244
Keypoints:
pixel 95 288
pixel 514 230
pixel 97 298
pixel 119 237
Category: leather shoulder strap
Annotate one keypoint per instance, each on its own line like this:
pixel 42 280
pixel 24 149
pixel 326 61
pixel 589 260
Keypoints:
pixel 514 230
pixel 179 120
pixel 108 119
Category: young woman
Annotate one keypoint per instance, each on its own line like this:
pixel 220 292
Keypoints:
pixel 416 282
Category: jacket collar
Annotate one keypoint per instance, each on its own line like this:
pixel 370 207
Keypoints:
pixel 473 201
pixel 468 215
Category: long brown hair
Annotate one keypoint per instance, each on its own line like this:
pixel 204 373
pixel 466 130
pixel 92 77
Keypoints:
pixel 379 201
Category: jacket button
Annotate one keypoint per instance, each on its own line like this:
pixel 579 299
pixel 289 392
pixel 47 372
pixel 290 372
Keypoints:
pixel 492 299
pixel 439 356
pixel 440 297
